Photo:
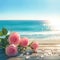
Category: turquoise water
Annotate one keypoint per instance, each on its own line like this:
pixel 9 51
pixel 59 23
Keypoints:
pixel 25 25
pixel 28 28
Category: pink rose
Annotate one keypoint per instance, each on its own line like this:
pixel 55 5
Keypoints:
pixel 14 38
pixel 24 42
pixel 35 46
pixel 11 50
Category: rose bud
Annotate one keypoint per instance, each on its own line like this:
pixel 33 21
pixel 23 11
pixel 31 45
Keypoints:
pixel 34 46
pixel 14 38
pixel 24 42
pixel 11 50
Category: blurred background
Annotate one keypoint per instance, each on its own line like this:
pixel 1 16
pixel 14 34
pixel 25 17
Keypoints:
pixel 35 19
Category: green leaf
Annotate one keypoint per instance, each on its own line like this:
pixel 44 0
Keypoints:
pixel 0 40
pixel 4 31
pixel 1 34
pixel 4 41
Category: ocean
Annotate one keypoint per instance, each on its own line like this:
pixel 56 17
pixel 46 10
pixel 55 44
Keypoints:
pixel 24 25
pixel 38 29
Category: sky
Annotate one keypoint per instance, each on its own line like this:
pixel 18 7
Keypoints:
pixel 31 9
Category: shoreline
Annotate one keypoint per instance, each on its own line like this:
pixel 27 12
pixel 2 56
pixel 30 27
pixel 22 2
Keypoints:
pixel 47 41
